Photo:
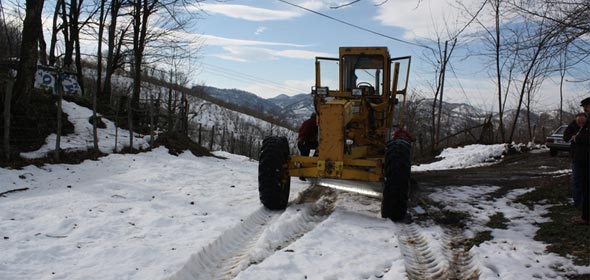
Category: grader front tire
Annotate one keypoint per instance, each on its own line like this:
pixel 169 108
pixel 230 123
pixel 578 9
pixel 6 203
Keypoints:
pixel 397 180
pixel 274 182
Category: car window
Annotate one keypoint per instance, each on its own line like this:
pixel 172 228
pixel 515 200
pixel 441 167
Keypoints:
pixel 560 130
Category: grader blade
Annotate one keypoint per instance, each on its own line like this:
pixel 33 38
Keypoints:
pixel 371 189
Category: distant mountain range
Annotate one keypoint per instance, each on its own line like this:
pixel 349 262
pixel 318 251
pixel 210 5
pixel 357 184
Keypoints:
pixel 456 116
pixel 296 109
pixel 292 109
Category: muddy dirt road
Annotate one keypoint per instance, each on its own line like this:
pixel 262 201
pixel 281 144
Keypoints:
pixel 514 170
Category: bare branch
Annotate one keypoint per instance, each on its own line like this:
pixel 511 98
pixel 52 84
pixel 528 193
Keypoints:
pixel 345 5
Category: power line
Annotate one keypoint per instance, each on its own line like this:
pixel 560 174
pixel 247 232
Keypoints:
pixel 251 77
pixel 356 26
pixel 244 79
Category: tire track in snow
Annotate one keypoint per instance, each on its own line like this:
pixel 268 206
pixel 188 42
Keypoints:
pixel 226 251
pixel 463 264
pixel 258 237
pixel 432 260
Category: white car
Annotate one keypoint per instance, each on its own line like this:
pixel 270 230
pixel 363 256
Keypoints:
pixel 555 141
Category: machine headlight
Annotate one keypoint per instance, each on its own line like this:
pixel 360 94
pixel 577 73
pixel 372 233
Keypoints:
pixel 357 92
pixel 322 90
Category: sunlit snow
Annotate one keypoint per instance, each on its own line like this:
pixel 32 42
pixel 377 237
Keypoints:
pixel 142 216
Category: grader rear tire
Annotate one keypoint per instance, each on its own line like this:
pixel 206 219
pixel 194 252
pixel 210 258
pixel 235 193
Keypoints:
pixel 274 182
pixel 397 180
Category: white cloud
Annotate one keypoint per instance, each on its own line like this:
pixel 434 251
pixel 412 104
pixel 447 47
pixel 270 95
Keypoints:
pixel 251 13
pixel 426 18
pixel 318 5
pixel 314 4
pixel 213 40
pixel 260 30
pixel 244 54
pixel 248 53
pixel 301 54
pixel 248 12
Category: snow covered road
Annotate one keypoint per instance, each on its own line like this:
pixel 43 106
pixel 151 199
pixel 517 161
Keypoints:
pixel 156 216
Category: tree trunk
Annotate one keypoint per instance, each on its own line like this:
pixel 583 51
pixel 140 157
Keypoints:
pixel 151 121
pixel 130 121
pixel 28 54
pixel 212 138
pixel 442 89
pixel 433 119
pixel 185 114
pixel 79 74
pixel 169 124
pixel 106 93
pixel 499 73
pixel 75 37
pixel 42 48
pixel 68 43
pixel 562 72
pixel 7 115
pixel 117 125
pixel 59 124
pixel 523 90
pixel 98 74
pixel 138 26
pixel 54 32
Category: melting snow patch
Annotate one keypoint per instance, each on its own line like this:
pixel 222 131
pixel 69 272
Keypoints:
pixel 464 157
pixel 512 253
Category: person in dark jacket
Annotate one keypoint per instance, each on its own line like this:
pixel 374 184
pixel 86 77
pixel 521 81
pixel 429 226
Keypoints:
pixel 308 136
pixel 581 143
pixel 570 131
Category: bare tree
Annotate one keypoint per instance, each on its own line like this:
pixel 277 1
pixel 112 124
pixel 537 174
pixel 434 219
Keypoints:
pixel 567 14
pixel 569 23
pixel 115 57
pixel 54 32
pixel 439 58
pixel 95 93
pixel 28 52
pixel 10 36
pixel 535 52
pixel 493 39
pixel 72 25
pixel 562 72
pixel 150 33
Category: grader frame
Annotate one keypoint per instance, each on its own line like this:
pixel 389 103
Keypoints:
pixel 356 122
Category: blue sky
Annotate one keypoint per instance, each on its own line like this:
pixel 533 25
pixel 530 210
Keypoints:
pixel 268 47
pixel 282 42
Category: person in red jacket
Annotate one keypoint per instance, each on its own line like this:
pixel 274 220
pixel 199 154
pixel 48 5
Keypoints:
pixel 308 136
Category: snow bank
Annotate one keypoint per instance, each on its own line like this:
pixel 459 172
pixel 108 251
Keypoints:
pixel 464 157
pixel 82 139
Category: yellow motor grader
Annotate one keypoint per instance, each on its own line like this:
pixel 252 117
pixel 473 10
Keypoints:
pixel 359 102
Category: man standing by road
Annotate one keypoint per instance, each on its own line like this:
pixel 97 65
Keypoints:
pixel 570 131
pixel 579 134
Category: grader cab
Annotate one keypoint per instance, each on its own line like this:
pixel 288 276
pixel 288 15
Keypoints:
pixel 359 111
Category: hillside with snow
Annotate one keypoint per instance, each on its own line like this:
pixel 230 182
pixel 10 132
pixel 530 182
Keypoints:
pixel 208 121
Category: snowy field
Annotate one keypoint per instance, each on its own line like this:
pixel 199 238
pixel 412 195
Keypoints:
pixel 157 216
